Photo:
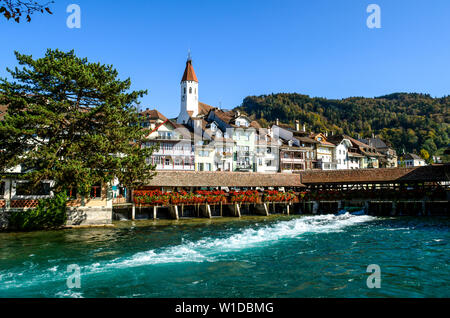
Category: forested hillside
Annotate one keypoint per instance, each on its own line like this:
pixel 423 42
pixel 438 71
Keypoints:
pixel 409 122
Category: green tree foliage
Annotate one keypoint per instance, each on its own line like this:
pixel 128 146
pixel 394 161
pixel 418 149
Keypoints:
pixel 73 122
pixel 49 214
pixel 424 154
pixel 409 122
pixel 15 9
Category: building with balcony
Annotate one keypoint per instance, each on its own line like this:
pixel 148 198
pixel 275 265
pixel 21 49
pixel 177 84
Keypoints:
pixel 267 152
pixel 389 158
pixel 172 142
pixel 324 152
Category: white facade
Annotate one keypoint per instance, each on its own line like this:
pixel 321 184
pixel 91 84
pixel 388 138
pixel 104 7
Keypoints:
pixel 267 158
pixel 189 101
pixel 413 163
pixel 175 151
pixel 354 162
pixel 341 154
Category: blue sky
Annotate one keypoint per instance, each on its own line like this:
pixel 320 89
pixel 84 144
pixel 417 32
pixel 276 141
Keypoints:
pixel 251 47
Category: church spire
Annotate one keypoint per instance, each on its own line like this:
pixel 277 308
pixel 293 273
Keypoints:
pixel 189 73
pixel 189 93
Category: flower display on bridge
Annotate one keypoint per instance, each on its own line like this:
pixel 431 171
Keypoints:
pixel 157 197
pixel 249 196
pixel 277 196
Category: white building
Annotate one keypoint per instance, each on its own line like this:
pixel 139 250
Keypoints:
pixel 173 143
pixel 324 153
pixel 411 160
pixel 189 94
pixel 341 154
pixel 267 152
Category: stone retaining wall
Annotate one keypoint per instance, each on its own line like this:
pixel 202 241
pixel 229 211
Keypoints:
pixel 77 216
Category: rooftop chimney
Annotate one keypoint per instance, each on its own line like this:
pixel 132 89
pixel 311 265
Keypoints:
pixel 297 125
pixel 304 127
pixel 277 122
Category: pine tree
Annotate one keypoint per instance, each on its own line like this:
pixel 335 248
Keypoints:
pixel 73 122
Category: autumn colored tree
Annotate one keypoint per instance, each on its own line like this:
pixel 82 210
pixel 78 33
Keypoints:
pixel 407 121
pixel 16 9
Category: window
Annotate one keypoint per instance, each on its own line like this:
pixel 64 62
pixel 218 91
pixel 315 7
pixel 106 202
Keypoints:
pixel 72 193
pixel 96 191
pixel 185 91
pixel 2 188
pixel 23 188
pixel 190 90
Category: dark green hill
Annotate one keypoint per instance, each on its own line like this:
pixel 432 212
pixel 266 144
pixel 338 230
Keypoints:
pixel 408 121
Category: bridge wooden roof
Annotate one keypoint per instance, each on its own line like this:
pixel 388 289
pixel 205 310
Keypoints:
pixel 433 173
pixel 223 179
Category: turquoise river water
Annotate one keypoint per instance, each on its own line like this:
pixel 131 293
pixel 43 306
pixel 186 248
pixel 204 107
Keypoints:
pixel 276 256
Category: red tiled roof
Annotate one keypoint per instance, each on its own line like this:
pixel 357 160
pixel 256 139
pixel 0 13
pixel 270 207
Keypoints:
pixel 255 124
pixel 189 73
pixel 153 114
pixel 203 109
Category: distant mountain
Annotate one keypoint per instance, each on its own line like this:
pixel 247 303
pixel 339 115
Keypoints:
pixel 409 122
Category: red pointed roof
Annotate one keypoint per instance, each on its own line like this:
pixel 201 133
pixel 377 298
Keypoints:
pixel 189 74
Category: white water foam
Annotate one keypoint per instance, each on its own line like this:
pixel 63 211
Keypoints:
pixel 204 250
pixel 208 249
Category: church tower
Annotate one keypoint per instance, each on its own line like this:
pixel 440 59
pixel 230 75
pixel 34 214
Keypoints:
pixel 189 94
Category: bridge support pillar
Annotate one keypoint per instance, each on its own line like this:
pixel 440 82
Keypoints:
pixel 366 207
pixel 174 212
pixel 288 209
pixel 261 209
pixel 394 208
pixel 133 212
pixel 315 207
pixel 340 205
pixel 237 210
pixel 206 211
pixel 155 210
